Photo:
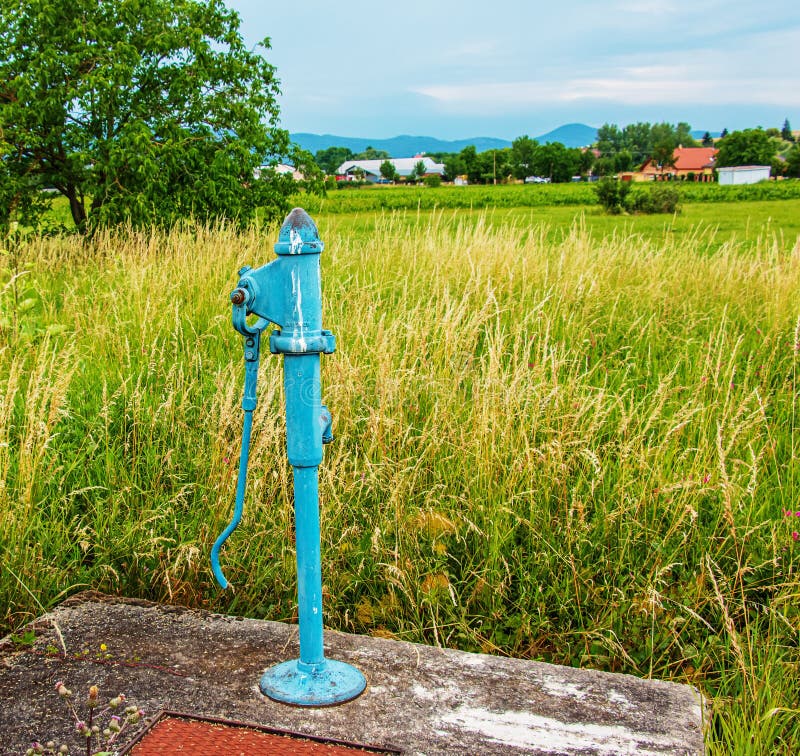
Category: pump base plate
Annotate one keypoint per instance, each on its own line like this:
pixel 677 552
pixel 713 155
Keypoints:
pixel 326 684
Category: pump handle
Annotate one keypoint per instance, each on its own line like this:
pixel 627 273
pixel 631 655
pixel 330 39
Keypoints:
pixel 252 351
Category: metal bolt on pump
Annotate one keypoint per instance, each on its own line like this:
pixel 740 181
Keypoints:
pixel 287 292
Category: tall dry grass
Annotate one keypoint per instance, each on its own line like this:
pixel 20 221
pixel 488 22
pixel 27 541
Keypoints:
pixel 580 451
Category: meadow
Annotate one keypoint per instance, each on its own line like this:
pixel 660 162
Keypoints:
pixel 475 197
pixel 559 436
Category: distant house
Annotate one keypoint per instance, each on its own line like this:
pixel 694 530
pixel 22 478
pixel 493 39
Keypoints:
pixel 371 169
pixel 694 162
pixel 743 174
pixel 281 169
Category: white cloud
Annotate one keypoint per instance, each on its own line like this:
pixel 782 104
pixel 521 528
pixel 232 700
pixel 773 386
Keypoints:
pixel 509 62
pixel 643 85
pixel 739 72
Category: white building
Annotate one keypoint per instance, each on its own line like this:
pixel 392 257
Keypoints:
pixel 280 169
pixel 743 174
pixel 371 169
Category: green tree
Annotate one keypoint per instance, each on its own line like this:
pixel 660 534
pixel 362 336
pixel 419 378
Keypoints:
pixel 453 165
pixel 708 140
pixel 610 139
pixel 664 142
pixel 586 162
pixel 388 171
pixel 20 197
pixel 556 162
pixel 777 166
pixel 494 165
pixel 605 165
pixel 683 135
pixel 523 150
pixel 623 161
pixel 372 154
pixel 331 158
pixel 418 171
pixel 793 161
pixel 471 163
pixel 636 141
pixel 747 147
pixel 145 111
pixel 786 131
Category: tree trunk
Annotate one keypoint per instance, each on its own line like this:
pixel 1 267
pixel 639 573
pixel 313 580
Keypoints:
pixel 76 207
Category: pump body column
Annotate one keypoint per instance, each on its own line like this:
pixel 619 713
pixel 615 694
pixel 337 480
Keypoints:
pixel 287 292
pixel 303 411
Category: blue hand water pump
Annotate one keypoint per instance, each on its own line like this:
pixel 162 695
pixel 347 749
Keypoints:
pixel 287 293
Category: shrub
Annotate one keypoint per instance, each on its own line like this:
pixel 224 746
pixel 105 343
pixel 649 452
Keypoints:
pixel 433 181
pixel 612 194
pixel 660 198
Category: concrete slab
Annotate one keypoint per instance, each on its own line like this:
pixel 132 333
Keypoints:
pixel 421 699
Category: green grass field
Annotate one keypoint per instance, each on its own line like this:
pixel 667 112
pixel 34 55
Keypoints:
pixel 373 198
pixel 706 226
pixel 559 435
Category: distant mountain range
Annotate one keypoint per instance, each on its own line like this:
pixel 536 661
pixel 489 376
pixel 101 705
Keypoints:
pixel 571 135
pixel 399 146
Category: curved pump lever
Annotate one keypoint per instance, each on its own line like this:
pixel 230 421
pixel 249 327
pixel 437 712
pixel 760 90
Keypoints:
pixel 252 347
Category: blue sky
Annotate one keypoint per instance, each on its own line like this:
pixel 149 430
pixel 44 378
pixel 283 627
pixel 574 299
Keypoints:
pixel 459 69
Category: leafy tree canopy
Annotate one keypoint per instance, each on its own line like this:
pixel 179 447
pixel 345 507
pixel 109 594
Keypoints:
pixel 523 150
pixel 418 171
pixel 526 157
pixel 470 163
pixel 17 202
pixel 683 135
pixel 453 165
pixel 664 140
pixel 332 157
pixel 747 147
pixel 494 165
pixel 642 141
pixel 372 154
pixel 140 111
pixel 388 171
pixel 793 162
pixel 556 162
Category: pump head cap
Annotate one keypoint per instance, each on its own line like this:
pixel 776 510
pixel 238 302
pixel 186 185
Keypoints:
pixel 298 235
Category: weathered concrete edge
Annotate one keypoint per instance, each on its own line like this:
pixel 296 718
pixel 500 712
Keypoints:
pixel 478 709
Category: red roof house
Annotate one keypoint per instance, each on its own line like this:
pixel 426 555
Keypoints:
pixel 696 160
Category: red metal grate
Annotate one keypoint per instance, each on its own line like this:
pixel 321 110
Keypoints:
pixel 175 734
